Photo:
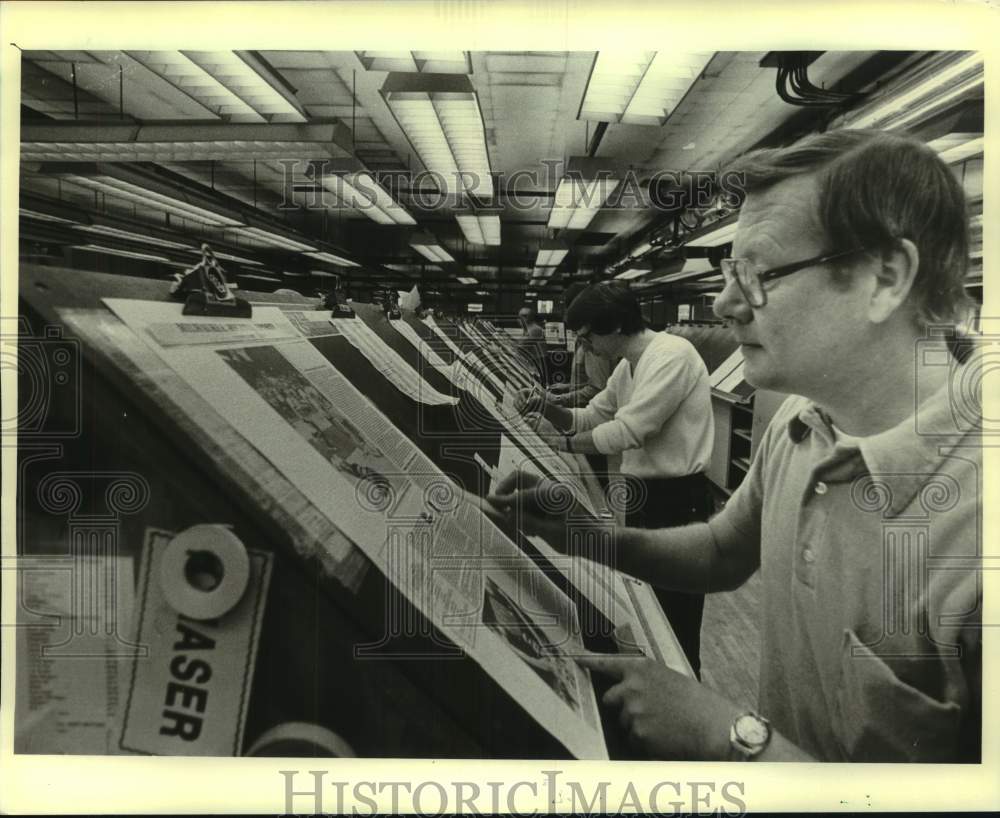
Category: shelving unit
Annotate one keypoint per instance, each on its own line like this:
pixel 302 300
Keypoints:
pixel 739 425
pixel 741 420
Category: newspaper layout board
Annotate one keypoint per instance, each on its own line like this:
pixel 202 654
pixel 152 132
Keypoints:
pixel 449 341
pixel 385 359
pixel 498 360
pixel 627 604
pixel 488 387
pixel 425 349
pixel 280 393
pixel 319 324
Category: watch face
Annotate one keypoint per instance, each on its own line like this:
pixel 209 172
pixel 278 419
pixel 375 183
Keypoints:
pixel 751 730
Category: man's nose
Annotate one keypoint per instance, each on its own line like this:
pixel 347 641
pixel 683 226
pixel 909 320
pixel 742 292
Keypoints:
pixel 731 305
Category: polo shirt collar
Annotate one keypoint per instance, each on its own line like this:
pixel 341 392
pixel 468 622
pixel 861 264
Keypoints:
pixel 902 459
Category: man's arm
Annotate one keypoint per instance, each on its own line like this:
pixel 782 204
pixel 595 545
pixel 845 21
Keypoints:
pixel 670 716
pixel 600 409
pixel 685 558
pixel 575 398
pixel 701 557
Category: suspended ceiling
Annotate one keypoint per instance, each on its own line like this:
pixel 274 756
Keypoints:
pixel 238 130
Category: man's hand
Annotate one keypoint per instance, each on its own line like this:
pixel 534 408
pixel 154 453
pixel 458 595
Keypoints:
pixel 559 388
pixel 666 714
pixel 529 400
pixel 538 505
pixel 549 433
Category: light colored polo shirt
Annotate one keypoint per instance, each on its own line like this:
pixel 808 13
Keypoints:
pixel 869 553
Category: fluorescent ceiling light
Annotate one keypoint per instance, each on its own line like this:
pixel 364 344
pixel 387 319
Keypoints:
pixel 641 87
pixel 482 292
pixel 551 254
pixel 693 268
pixel 440 116
pixel 72 141
pixel 237 259
pixel 332 258
pixel 955 153
pixel 437 62
pixel 114 251
pixel 480 228
pixel 225 82
pixel 260 278
pixel 891 112
pixel 119 188
pixel 530 294
pixel 580 194
pixel 104 230
pixel 45 217
pixel 429 248
pixel 715 238
pixel 360 191
pixel 467 280
pixel 634 270
pixel 273 239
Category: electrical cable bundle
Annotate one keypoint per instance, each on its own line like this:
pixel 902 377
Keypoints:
pixel 795 88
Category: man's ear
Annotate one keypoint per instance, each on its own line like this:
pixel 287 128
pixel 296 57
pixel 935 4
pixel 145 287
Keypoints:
pixel 895 273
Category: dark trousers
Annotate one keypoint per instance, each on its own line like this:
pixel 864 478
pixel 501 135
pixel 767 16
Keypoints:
pixel 663 503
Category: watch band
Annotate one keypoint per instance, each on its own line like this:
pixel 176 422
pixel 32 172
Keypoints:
pixel 569 443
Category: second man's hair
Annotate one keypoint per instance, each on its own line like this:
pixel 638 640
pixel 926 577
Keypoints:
pixel 605 307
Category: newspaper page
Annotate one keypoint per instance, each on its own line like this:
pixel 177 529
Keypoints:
pixel 425 349
pixel 357 469
pixel 505 365
pixel 387 361
pixel 70 650
pixel 449 342
pixel 595 580
pixel 628 604
pixel 498 402
pixel 505 356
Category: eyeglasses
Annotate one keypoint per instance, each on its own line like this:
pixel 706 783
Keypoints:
pixel 751 278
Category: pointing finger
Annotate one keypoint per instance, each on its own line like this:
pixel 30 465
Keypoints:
pixel 606 663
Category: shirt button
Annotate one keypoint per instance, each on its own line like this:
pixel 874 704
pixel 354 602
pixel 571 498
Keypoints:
pixel 808 556
pixel 820 487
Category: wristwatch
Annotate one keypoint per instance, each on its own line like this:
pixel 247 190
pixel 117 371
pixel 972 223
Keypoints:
pixel 748 736
pixel 569 443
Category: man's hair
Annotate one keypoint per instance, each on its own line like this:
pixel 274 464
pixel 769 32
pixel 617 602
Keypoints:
pixel 876 188
pixel 605 307
pixel 532 312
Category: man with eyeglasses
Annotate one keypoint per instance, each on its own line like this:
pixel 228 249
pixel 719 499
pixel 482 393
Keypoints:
pixel 862 505
pixel 590 372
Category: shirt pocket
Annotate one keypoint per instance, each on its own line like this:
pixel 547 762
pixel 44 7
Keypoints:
pixel 880 718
